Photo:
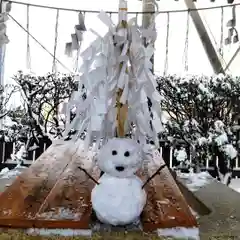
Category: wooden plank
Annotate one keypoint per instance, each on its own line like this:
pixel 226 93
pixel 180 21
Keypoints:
pixel 193 201
pixel 199 207
pixel 166 206
pixel 70 199
pixel 22 200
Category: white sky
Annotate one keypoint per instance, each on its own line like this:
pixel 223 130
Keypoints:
pixel 42 27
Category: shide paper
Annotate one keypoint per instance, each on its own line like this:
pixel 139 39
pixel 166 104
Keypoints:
pixel 102 75
pixel 6 8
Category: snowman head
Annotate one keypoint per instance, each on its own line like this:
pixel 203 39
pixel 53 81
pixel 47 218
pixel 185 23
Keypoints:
pixel 120 157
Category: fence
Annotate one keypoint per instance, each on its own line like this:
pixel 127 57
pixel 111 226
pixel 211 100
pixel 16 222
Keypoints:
pixel 6 149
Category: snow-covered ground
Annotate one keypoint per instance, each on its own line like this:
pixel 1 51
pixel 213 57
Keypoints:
pixel 235 184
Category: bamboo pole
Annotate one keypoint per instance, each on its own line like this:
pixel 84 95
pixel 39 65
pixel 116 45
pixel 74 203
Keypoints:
pixel 122 109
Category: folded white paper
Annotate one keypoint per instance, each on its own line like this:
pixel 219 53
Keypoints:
pixel 75 44
pixel 118 59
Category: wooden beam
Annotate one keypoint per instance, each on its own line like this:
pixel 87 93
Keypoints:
pixel 232 59
pixel 206 41
pixel 166 206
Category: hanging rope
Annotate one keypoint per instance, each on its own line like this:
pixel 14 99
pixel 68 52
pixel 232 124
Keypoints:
pixel 167 43
pixel 89 11
pixel 213 37
pixel 38 42
pixel 186 43
pixel 28 57
pixel 54 67
pixel 221 39
pixel 3 53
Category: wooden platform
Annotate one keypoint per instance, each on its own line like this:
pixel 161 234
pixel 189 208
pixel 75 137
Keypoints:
pixel 55 193
pixel 52 193
pixel 166 206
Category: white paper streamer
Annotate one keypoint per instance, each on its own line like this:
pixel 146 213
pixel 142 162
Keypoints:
pixel 6 8
pixel 68 49
pixel 79 33
pixel 75 44
pixel 102 75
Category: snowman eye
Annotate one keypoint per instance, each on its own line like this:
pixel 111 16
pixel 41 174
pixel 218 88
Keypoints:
pixel 127 154
pixel 114 152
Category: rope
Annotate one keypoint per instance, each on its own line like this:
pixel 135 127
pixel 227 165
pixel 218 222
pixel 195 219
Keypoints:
pixel 3 53
pixel 167 43
pixel 38 42
pixel 213 38
pixel 186 44
pixel 221 39
pixel 28 57
pixel 54 67
pixel 115 12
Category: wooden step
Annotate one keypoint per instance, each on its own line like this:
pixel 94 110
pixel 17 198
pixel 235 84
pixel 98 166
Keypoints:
pixel 44 186
pixel 166 206
pixel 69 203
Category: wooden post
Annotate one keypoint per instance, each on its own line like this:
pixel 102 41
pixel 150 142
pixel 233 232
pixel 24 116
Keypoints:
pixel 122 109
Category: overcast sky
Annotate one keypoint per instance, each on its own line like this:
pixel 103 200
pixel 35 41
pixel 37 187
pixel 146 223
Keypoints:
pixel 42 25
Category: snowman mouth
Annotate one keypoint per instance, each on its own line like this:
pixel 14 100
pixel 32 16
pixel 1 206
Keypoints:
pixel 119 168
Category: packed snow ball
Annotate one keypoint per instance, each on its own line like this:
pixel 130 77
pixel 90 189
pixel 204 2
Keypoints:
pixel 119 199
pixel 120 157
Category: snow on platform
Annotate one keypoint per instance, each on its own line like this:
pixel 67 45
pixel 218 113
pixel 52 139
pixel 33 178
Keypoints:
pixel 195 181
pixel 235 184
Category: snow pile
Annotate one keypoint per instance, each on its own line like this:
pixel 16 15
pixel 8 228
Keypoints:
pixel 180 233
pixel 7 174
pixel 235 185
pixel 109 200
pixel 230 151
pixel 119 198
pixel 58 232
pixel 194 181
pixel 180 155
pixel 59 214
pixel 221 139
pixel 201 141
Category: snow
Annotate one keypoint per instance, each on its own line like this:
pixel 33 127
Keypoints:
pixel 184 233
pixel 219 126
pixel 187 123
pixel 59 214
pixel 195 181
pixel 113 155
pixel 221 139
pixel 230 151
pixel 118 201
pixel 235 184
pixel 7 174
pixel 203 88
pixel 58 232
pixel 201 141
pixel 180 155
pixel 119 198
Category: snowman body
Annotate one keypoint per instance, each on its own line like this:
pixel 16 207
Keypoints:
pixel 119 198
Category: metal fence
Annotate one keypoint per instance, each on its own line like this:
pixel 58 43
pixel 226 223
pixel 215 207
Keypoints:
pixel 167 152
pixel 7 148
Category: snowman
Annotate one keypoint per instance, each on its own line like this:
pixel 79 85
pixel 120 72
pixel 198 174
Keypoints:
pixel 119 199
